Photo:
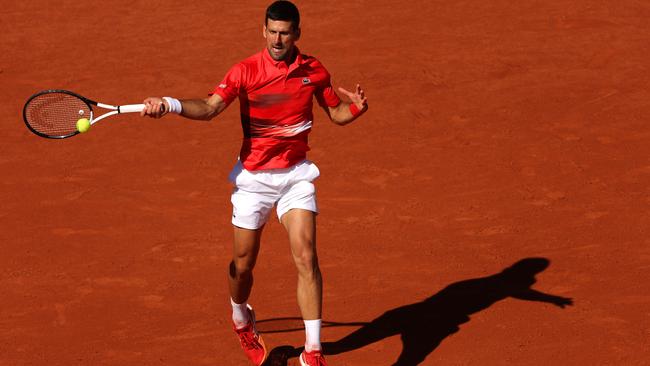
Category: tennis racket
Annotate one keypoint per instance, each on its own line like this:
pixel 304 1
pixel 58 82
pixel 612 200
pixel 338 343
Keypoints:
pixel 54 113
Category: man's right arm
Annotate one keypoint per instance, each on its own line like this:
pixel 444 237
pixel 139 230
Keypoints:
pixel 199 109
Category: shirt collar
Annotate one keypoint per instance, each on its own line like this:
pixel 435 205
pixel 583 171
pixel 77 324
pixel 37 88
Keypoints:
pixel 297 62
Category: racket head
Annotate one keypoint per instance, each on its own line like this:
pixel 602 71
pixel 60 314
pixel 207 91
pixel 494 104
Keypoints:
pixel 54 113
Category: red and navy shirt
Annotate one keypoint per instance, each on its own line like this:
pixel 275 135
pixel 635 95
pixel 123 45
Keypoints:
pixel 276 103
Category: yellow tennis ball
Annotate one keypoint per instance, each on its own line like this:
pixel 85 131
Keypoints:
pixel 83 125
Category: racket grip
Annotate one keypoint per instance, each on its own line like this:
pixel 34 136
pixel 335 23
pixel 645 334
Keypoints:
pixel 137 108
pixel 131 108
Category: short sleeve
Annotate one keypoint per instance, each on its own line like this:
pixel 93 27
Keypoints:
pixel 325 94
pixel 231 84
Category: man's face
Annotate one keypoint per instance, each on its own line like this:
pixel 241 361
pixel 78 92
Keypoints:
pixel 280 37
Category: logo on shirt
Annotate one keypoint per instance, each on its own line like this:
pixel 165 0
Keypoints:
pixel 223 86
pixel 306 81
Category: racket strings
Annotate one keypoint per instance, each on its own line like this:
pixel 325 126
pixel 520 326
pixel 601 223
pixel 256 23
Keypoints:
pixel 56 114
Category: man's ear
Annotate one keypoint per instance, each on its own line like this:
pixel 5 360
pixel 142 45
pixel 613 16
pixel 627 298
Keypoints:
pixel 298 34
pixel 264 31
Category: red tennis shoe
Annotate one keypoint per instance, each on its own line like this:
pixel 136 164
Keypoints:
pixel 313 358
pixel 251 341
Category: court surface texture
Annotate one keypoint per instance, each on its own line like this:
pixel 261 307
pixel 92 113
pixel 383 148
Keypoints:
pixel 499 133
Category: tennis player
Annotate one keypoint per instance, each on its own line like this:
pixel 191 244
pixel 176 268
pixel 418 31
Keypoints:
pixel 276 88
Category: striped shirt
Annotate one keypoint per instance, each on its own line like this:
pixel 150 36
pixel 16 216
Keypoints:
pixel 276 102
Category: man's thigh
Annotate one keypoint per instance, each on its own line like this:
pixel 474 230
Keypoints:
pixel 246 246
pixel 301 228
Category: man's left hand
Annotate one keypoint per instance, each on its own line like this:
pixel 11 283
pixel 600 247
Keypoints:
pixel 358 97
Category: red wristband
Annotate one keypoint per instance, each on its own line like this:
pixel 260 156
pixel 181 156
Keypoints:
pixel 354 110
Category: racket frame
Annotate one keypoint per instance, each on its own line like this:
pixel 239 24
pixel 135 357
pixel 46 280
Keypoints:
pixel 127 108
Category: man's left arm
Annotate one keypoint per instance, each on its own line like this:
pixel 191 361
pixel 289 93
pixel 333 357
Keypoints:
pixel 346 112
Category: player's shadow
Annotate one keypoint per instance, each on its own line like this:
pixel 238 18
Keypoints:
pixel 422 326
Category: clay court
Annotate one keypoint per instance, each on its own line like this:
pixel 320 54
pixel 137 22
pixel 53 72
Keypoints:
pixel 499 132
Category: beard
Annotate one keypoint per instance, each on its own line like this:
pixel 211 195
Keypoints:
pixel 279 53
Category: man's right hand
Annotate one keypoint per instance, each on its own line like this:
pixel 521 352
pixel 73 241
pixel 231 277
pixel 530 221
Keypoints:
pixel 153 107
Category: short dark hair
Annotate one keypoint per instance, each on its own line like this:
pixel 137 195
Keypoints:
pixel 283 10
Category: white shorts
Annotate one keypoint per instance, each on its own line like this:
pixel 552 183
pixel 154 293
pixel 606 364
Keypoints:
pixel 256 192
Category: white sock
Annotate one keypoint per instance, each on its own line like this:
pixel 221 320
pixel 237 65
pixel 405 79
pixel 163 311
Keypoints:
pixel 312 334
pixel 239 314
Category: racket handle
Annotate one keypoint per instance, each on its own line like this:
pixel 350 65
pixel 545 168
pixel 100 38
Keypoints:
pixel 131 108
pixel 137 108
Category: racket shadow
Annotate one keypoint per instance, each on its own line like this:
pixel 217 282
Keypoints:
pixel 422 326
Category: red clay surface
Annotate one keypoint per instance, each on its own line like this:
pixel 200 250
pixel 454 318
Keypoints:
pixel 498 131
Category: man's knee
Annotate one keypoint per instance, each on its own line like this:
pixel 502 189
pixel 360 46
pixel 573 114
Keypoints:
pixel 306 260
pixel 240 268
